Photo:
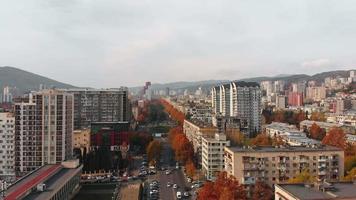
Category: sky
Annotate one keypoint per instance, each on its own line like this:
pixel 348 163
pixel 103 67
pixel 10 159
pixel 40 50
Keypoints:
pixel 111 43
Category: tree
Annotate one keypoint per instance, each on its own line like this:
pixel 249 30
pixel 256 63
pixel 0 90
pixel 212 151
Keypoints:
pixel 262 191
pixel 318 116
pixel 335 137
pixel 261 140
pixel 298 117
pixel 190 168
pixel 183 148
pixel 303 177
pixel 236 137
pixel 224 188
pixel 153 150
pixel 277 141
pixel 316 132
pixel 351 175
pixel 350 163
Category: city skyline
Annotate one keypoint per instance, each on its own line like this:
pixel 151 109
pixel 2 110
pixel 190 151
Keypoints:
pixel 111 43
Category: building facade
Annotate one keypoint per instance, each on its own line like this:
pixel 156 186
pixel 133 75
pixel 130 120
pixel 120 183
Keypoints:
pixel 7 146
pixel 195 131
pixel 213 155
pixel 316 93
pixel 104 105
pixel 239 99
pixel 44 130
pixel 295 99
pixel 81 139
pixel 277 165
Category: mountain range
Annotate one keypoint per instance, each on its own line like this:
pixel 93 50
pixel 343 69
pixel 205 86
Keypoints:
pixel 26 81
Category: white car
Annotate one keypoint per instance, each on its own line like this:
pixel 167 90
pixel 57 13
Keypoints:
pixel 175 186
pixel 179 195
pixel 168 172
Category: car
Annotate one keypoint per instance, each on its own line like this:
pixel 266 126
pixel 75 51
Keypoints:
pixel 179 195
pixel 175 186
pixel 186 194
pixel 169 184
pixel 168 172
pixel 153 191
pixel 189 180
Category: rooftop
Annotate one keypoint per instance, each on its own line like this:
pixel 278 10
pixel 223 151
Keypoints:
pixel 284 149
pixel 340 190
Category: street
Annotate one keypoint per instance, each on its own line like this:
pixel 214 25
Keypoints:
pixel 175 177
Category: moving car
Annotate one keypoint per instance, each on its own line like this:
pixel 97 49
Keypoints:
pixel 179 195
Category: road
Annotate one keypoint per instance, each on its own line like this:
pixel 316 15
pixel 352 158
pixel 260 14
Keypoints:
pixel 176 177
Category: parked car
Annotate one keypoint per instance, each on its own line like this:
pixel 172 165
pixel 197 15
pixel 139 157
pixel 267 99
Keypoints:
pixel 179 195
pixel 186 194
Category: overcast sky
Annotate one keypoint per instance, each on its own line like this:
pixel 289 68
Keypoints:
pixel 109 43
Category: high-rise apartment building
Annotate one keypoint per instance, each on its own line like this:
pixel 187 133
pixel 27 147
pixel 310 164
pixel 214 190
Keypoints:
pixel 7 95
pixel 7 145
pixel 44 129
pixel 242 100
pixel 100 105
pixel 316 93
pixel 295 99
pixel 281 101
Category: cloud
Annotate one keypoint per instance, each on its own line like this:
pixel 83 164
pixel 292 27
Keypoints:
pixel 125 42
pixel 317 63
pixel 321 63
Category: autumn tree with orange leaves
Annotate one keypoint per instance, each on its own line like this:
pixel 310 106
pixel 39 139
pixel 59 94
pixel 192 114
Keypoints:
pixel 262 191
pixel 316 132
pixel 224 188
pixel 190 168
pixel 173 112
pixel 183 148
pixel 335 137
pixel 261 140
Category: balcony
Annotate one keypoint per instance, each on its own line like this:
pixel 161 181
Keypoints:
pixel 247 167
pixel 248 181
pixel 321 173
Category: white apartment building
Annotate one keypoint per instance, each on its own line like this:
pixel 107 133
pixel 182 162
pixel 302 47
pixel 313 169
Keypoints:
pixel 281 102
pixel 213 155
pixel 195 131
pixel 7 145
pixel 242 100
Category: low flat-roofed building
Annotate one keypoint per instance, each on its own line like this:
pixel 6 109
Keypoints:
pixel 278 164
pixel 336 190
pixel 289 134
pixel 49 182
